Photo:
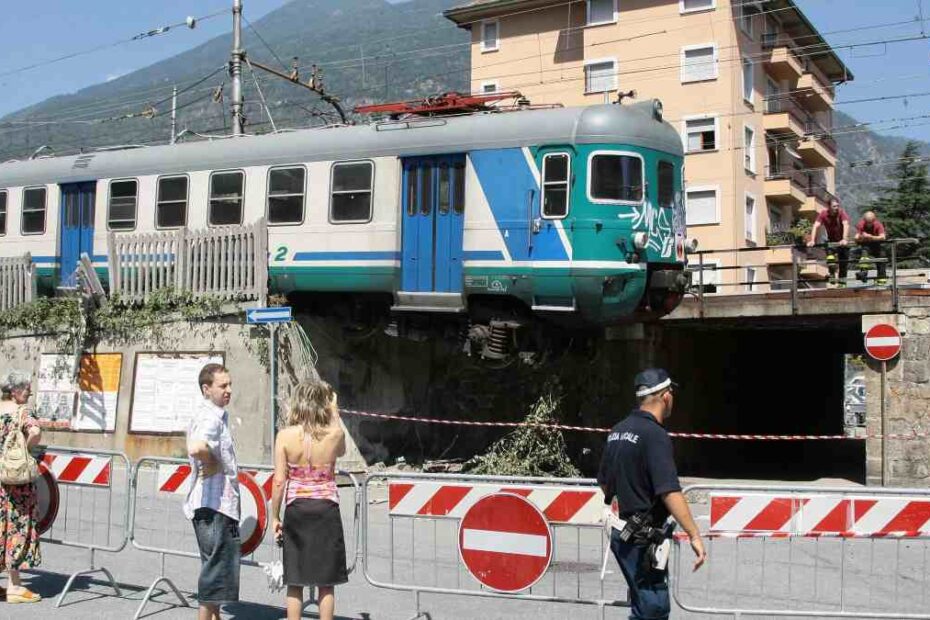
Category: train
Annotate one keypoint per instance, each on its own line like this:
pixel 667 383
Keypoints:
pixel 572 216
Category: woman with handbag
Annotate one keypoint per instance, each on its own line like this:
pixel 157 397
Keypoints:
pixel 304 477
pixel 19 536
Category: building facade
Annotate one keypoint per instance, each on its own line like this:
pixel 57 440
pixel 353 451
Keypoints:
pixel 749 83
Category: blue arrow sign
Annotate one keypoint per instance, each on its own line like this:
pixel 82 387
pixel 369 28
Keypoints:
pixel 268 315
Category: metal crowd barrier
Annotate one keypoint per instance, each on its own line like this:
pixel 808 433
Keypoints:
pixel 808 551
pixel 89 506
pixel 421 517
pixel 158 489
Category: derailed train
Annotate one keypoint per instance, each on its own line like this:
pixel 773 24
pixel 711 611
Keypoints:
pixel 569 215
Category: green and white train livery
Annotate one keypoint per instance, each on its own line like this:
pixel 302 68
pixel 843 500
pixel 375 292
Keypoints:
pixel 574 214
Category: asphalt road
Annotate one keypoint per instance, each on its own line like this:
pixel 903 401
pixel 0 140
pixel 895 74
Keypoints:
pixel 887 576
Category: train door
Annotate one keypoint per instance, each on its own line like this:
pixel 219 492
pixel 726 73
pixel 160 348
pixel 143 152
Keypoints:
pixel 77 227
pixel 433 226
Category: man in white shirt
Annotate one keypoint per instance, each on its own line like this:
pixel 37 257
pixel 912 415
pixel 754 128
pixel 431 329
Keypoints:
pixel 212 502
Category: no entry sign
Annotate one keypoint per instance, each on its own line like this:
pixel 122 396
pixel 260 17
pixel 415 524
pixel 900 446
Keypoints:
pixel 883 342
pixel 505 542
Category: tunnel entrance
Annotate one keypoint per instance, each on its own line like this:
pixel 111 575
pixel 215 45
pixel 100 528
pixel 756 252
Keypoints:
pixel 765 380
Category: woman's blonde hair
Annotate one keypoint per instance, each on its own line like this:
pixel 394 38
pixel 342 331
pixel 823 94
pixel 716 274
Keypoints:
pixel 311 406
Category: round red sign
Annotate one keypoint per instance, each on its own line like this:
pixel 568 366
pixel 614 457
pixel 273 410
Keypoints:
pixel 47 492
pixel 253 519
pixel 883 342
pixel 505 542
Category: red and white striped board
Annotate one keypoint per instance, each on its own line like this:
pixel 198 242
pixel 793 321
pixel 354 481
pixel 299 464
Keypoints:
pixel 253 518
pixel 811 515
pixel 559 504
pixel 176 479
pixel 82 469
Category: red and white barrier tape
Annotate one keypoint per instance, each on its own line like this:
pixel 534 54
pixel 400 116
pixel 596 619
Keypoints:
pixel 594 429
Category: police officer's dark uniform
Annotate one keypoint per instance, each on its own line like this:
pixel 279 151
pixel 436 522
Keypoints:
pixel 638 468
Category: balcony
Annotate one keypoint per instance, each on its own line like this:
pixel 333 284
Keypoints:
pixel 814 93
pixel 786 187
pixel 780 58
pixel 818 148
pixel 785 115
pixel 817 198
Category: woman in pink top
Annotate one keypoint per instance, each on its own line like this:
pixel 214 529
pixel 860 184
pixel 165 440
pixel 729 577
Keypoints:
pixel 304 477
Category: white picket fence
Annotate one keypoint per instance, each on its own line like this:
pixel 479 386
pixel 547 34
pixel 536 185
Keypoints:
pixel 229 262
pixel 17 281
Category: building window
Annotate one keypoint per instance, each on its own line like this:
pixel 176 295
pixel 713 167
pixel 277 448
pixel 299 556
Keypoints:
pixel 701 134
pixel 749 148
pixel 666 193
pixel 750 279
pixel 351 192
pixel 750 218
pixel 490 41
pixel 3 196
pixel 121 212
pixel 701 206
pixel 602 12
pixel 33 211
pixel 699 63
pixel 616 178
pixel 227 190
pixel 556 172
pixel 748 13
pixel 748 81
pixel 171 202
pixel 691 6
pixel 600 76
pixel 286 195
pixel 489 88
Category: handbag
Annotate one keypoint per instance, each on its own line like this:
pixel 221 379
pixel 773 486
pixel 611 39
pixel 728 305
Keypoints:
pixel 17 466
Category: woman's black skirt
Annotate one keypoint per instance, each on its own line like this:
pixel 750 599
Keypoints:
pixel 314 546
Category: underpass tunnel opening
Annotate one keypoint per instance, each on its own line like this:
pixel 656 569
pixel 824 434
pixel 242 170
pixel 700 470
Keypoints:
pixel 773 381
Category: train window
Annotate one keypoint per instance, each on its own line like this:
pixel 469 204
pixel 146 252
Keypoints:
pixel 286 195
pixel 458 188
pixel 34 211
pixel 351 192
pixel 556 177
pixel 226 194
pixel 171 204
pixel 616 178
pixel 426 189
pixel 666 195
pixel 3 196
pixel 121 212
pixel 444 198
pixel 412 178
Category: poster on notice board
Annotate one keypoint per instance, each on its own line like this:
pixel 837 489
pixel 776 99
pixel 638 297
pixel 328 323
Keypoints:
pixel 165 390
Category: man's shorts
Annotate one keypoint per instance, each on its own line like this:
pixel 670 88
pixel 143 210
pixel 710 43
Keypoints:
pixel 218 539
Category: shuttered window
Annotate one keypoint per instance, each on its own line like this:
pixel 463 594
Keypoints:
pixel 489 36
pixel 699 63
pixel 701 207
pixel 602 11
pixel 600 76
pixel 701 135
pixel 687 6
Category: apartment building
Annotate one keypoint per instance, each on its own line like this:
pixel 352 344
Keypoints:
pixel 750 83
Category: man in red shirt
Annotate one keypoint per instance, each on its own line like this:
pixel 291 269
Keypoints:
pixel 870 233
pixel 835 223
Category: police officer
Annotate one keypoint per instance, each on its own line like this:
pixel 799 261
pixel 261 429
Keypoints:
pixel 638 470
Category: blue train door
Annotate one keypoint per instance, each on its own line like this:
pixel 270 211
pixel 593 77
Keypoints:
pixel 77 227
pixel 433 225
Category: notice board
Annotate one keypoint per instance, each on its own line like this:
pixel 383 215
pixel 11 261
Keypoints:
pixel 165 390
pixel 88 406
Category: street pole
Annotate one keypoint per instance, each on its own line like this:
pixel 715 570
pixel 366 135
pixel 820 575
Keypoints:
pixel 235 69
pixel 884 430
pixel 174 115
pixel 273 405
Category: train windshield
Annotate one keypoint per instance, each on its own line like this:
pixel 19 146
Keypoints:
pixel 617 178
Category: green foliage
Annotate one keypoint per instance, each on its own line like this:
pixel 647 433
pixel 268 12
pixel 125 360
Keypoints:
pixel 904 209
pixel 60 318
pixel 123 321
pixel 530 450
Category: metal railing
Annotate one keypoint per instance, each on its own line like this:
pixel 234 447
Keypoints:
pixel 801 258
pixel 777 104
pixel 229 262
pixel 17 281
pixel 776 173
pixel 816 131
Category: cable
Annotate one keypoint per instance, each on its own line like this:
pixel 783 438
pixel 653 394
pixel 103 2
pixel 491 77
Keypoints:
pixel 265 43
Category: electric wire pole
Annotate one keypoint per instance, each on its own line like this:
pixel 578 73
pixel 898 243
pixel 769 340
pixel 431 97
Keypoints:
pixel 235 70
pixel 174 115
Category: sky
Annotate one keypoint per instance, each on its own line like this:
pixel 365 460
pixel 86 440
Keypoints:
pixel 38 30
